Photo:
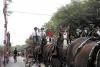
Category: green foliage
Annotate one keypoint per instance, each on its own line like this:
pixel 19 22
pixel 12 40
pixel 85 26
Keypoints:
pixel 78 14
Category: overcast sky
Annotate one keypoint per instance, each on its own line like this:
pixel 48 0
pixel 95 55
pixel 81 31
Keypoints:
pixel 26 15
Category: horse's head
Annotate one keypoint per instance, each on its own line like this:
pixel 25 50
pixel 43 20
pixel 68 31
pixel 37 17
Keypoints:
pixel 49 40
pixel 65 34
pixel 44 41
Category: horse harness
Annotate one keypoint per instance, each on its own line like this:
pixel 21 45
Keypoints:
pixel 80 47
pixel 93 53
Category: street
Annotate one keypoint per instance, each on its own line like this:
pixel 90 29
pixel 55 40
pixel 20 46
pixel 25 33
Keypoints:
pixel 19 63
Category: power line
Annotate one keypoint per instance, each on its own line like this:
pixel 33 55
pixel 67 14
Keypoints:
pixel 22 12
pixel 31 13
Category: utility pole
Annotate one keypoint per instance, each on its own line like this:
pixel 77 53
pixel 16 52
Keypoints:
pixel 6 45
pixel 5 30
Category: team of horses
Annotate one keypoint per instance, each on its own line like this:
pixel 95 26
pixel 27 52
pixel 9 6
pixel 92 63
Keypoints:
pixel 81 52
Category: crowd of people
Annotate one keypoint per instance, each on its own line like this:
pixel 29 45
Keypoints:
pixel 88 32
pixel 39 34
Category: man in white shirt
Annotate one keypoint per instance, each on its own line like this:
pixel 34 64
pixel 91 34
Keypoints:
pixel 42 34
pixel 39 36
pixel 43 38
pixel 35 35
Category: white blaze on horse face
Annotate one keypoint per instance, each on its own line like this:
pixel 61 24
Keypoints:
pixel 48 38
pixel 65 44
pixel 65 35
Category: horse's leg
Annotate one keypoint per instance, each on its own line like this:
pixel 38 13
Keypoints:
pixel 43 55
pixel 46 62
pixel 50 58
pixel 43 59
pixel 35 58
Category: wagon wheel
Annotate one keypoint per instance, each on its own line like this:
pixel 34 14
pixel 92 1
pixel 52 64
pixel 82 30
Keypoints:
pixel 98 59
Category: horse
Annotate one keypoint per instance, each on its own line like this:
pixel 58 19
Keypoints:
pixel 83 52
pixel 34 49
pixel 33 52
pixel 29 56
pixel 62 44
pixel 36 53
pixel 48 51
pixel 38 50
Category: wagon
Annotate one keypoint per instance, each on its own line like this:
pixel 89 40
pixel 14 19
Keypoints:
pixel 29 60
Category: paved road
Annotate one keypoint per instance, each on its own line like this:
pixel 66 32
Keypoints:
pixel 19 63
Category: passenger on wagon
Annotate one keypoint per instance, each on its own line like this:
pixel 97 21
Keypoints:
pixel 43 38
pixel 42 34
pixel 35 36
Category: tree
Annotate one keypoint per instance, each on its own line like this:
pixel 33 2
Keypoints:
pixel 78 14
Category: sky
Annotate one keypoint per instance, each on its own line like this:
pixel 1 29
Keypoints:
pixel 26 15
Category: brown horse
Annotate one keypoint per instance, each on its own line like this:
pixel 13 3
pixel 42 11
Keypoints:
pixel 62 45
pixel 48 51
pixel 35 49
pixel 39 50
pixel 82 52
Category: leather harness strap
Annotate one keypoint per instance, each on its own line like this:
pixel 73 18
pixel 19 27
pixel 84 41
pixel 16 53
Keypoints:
pixel 93 54
pixel 93 51
pixel 80 47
